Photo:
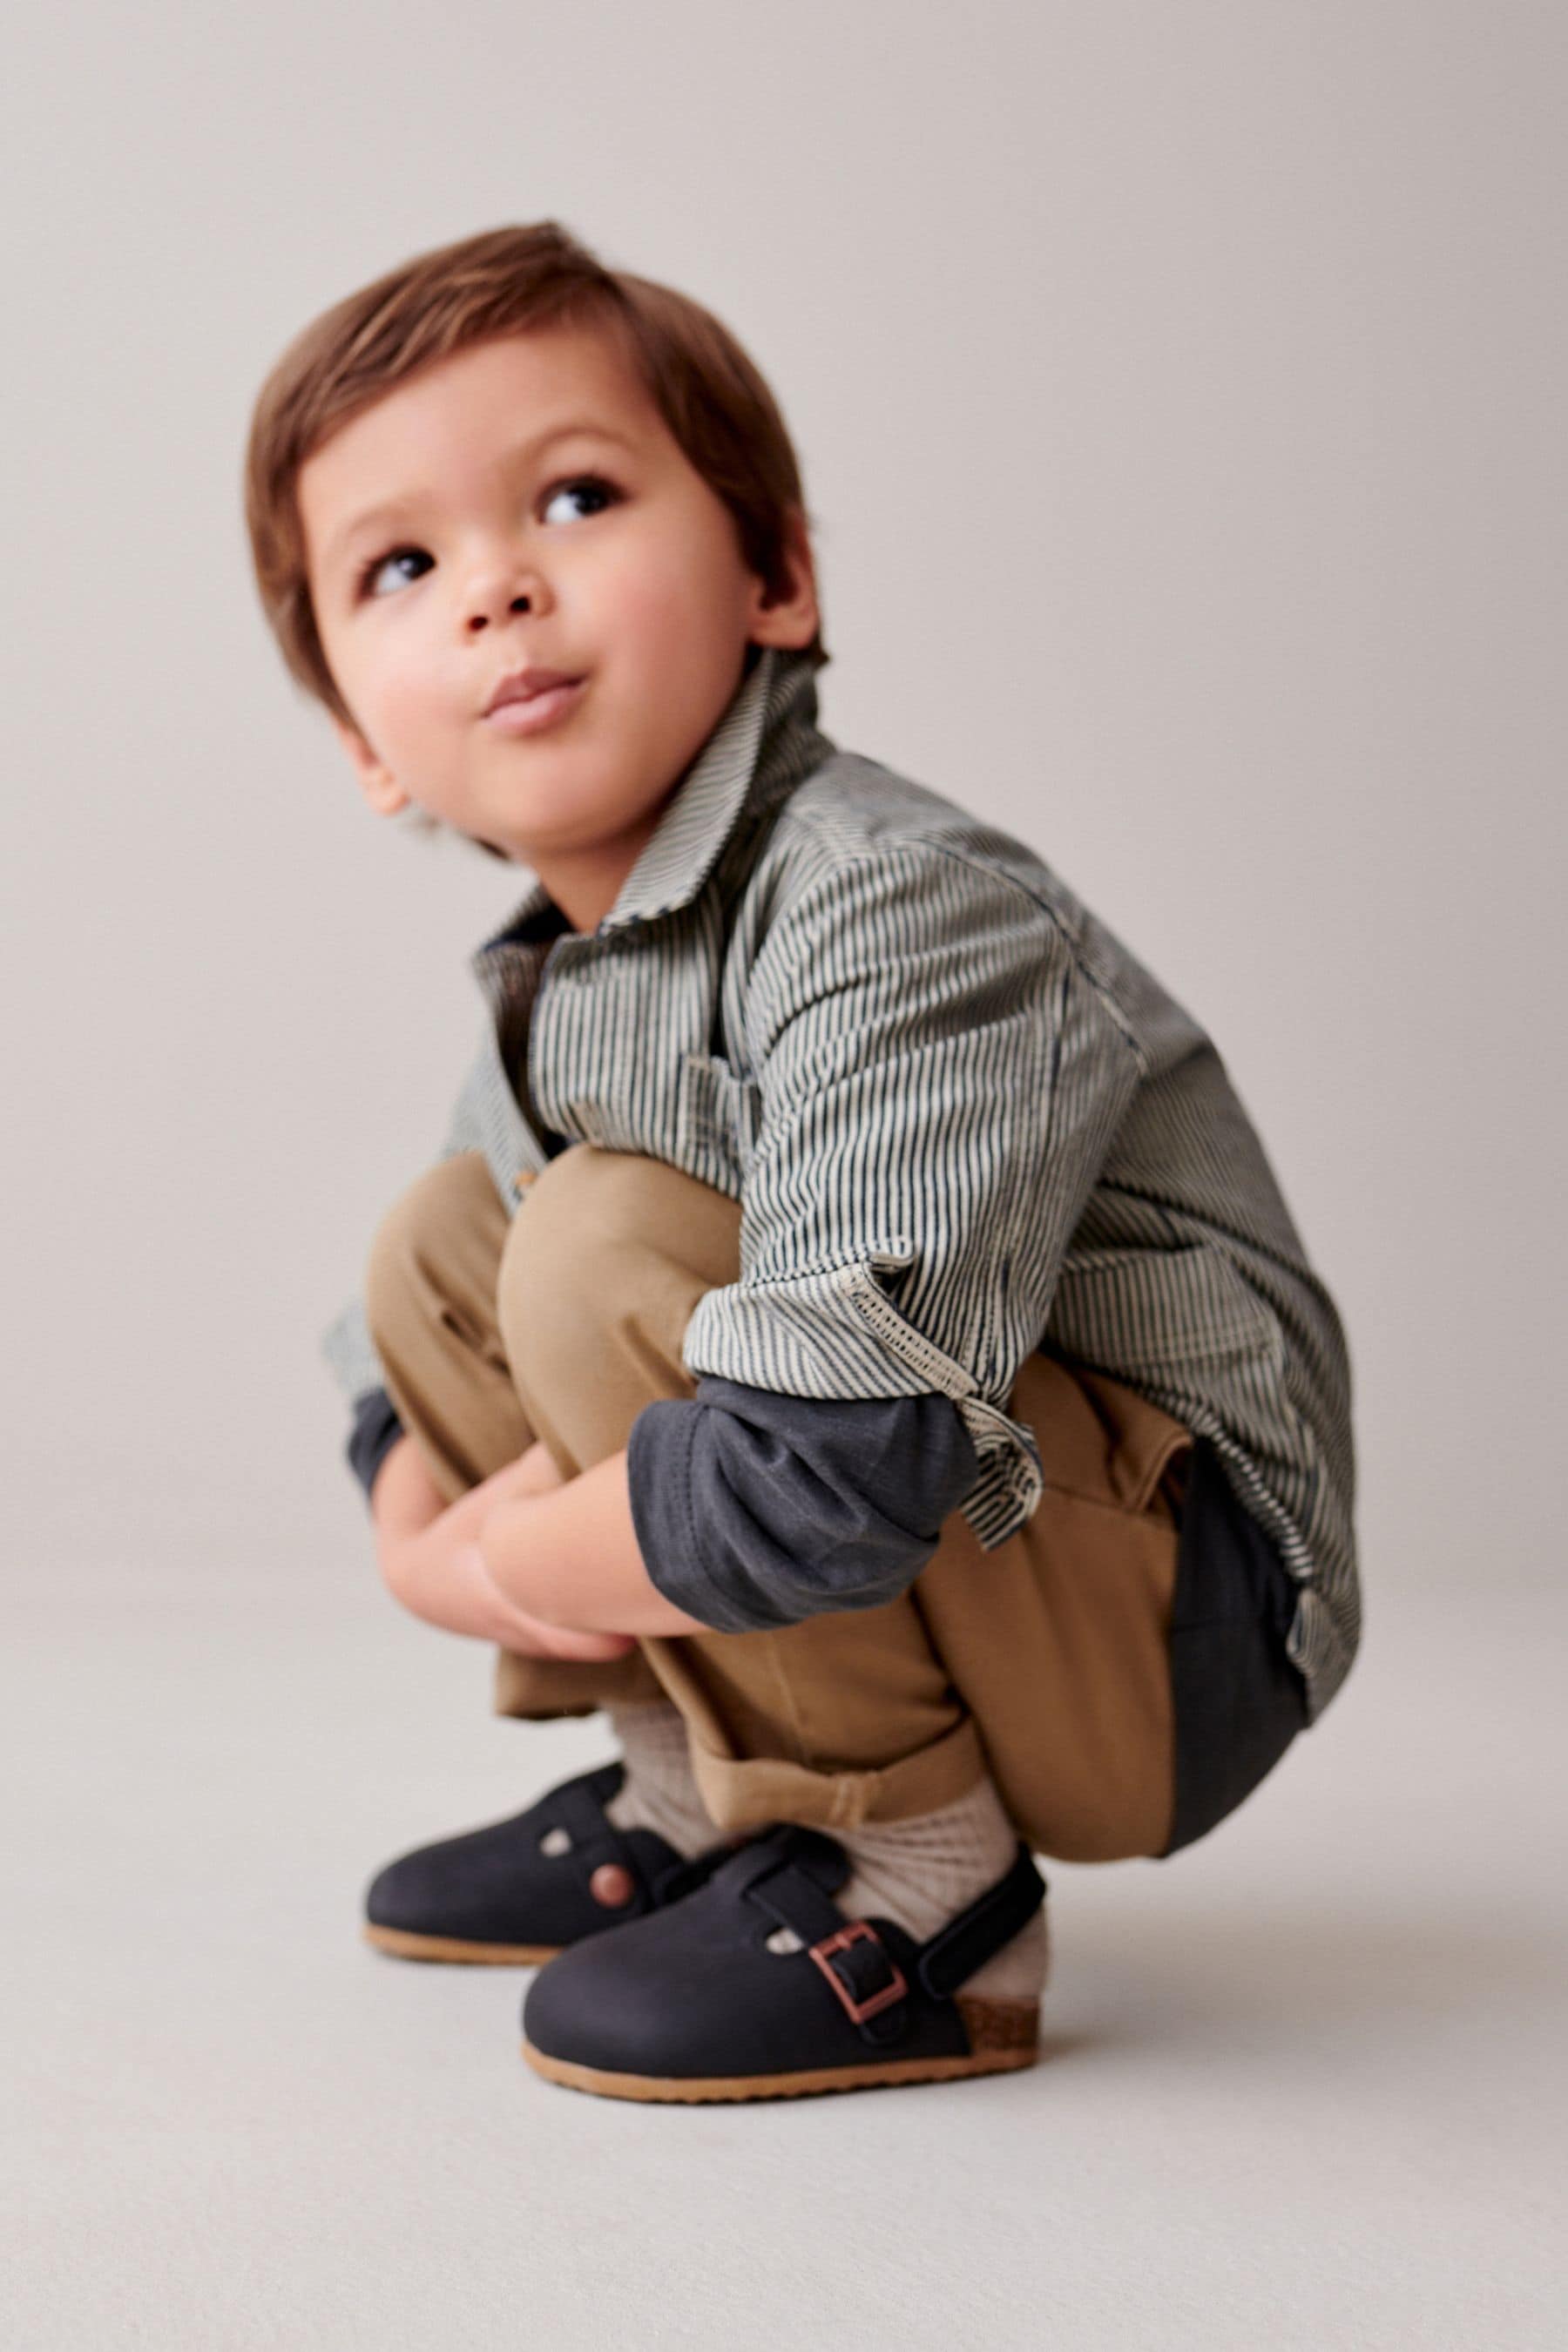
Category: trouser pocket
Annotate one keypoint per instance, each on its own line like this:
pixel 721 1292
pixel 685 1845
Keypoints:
pixel 1237 1700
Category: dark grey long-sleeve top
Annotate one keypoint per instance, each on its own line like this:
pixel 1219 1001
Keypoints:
pixel 752 1509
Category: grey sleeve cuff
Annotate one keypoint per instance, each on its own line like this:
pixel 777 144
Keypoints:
pixel 754 1509
pixel 377 1430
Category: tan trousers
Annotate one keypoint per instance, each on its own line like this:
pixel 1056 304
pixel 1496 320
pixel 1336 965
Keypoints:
pixel 1046 1661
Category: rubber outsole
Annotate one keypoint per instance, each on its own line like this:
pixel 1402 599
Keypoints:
pixel 406 1945
pixel 1005 2035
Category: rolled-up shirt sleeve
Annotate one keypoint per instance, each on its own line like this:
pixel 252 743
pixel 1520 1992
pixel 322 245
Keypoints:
pixel 939 1081
pixel 754 1509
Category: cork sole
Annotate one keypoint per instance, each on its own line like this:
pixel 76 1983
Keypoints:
pixel 409 1947
pixel 1004 2036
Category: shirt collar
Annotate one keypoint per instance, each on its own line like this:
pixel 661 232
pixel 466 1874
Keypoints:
pixel 765 741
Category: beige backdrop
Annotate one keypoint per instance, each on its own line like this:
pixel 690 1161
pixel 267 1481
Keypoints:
pixel 1180 393
pixel 1180 385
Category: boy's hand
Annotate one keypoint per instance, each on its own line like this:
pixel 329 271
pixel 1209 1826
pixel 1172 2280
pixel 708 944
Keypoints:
pixel 432 1564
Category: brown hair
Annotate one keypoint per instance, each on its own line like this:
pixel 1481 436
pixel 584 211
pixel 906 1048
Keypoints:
pixel 711 395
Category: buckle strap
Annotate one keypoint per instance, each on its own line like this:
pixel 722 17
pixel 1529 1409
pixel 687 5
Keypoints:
pixel 682 1878
pixel 795 1901
pixel 862 1974
pixel 578 1808
pixel 865 1974
pixel 993 1919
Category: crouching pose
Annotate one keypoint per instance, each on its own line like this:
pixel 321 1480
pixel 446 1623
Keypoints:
pixel 852 1332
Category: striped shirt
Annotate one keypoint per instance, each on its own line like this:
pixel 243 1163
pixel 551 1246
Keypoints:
pixel 961 1122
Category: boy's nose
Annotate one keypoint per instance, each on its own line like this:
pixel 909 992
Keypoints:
pixel 503 590
pixel 481 617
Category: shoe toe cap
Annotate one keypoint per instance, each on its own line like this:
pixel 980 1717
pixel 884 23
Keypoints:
pixel 592 2005
pixel 472 1885
pixel 402 1895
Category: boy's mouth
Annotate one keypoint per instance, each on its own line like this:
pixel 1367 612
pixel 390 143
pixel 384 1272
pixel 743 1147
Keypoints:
pixel 531 700
pixel 527 685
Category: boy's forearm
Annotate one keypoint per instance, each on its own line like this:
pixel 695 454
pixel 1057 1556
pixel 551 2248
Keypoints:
pixel 572 1558
pixel 430 1559
pixel 569 1557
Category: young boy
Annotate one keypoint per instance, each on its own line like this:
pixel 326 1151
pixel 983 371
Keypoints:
pixel 852 1331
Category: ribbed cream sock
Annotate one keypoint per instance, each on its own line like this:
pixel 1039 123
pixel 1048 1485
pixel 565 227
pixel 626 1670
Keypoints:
pixel 660 1791
pixel 920 1871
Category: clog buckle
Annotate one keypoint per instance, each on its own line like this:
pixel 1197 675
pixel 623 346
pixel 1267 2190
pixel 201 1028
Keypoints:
pixel 859 1931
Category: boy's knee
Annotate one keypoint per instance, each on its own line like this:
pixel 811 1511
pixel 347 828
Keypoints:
pixel 587 1195
pixel 605 1239
pixel 577 1232
pixel 591 1211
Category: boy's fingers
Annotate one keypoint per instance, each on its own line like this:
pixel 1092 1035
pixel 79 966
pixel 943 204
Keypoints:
pixel 587 1648
pixel 542 1641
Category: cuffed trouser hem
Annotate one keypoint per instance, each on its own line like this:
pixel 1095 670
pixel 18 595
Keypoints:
pixel 743 1792
pixel 537 1689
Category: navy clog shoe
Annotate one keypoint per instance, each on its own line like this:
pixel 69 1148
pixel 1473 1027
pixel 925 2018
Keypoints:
pixel 754 1985
pixel 519 1891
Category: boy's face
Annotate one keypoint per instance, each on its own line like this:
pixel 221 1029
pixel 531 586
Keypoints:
pixel 504 541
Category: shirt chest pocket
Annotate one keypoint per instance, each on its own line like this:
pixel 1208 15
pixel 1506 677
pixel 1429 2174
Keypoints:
pixel 719 1112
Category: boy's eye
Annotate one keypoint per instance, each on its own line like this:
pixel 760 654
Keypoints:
pixel 378 564
pixel 593 487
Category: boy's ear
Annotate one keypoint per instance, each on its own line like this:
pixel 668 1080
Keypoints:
pixel 377 781
pixel 790 619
